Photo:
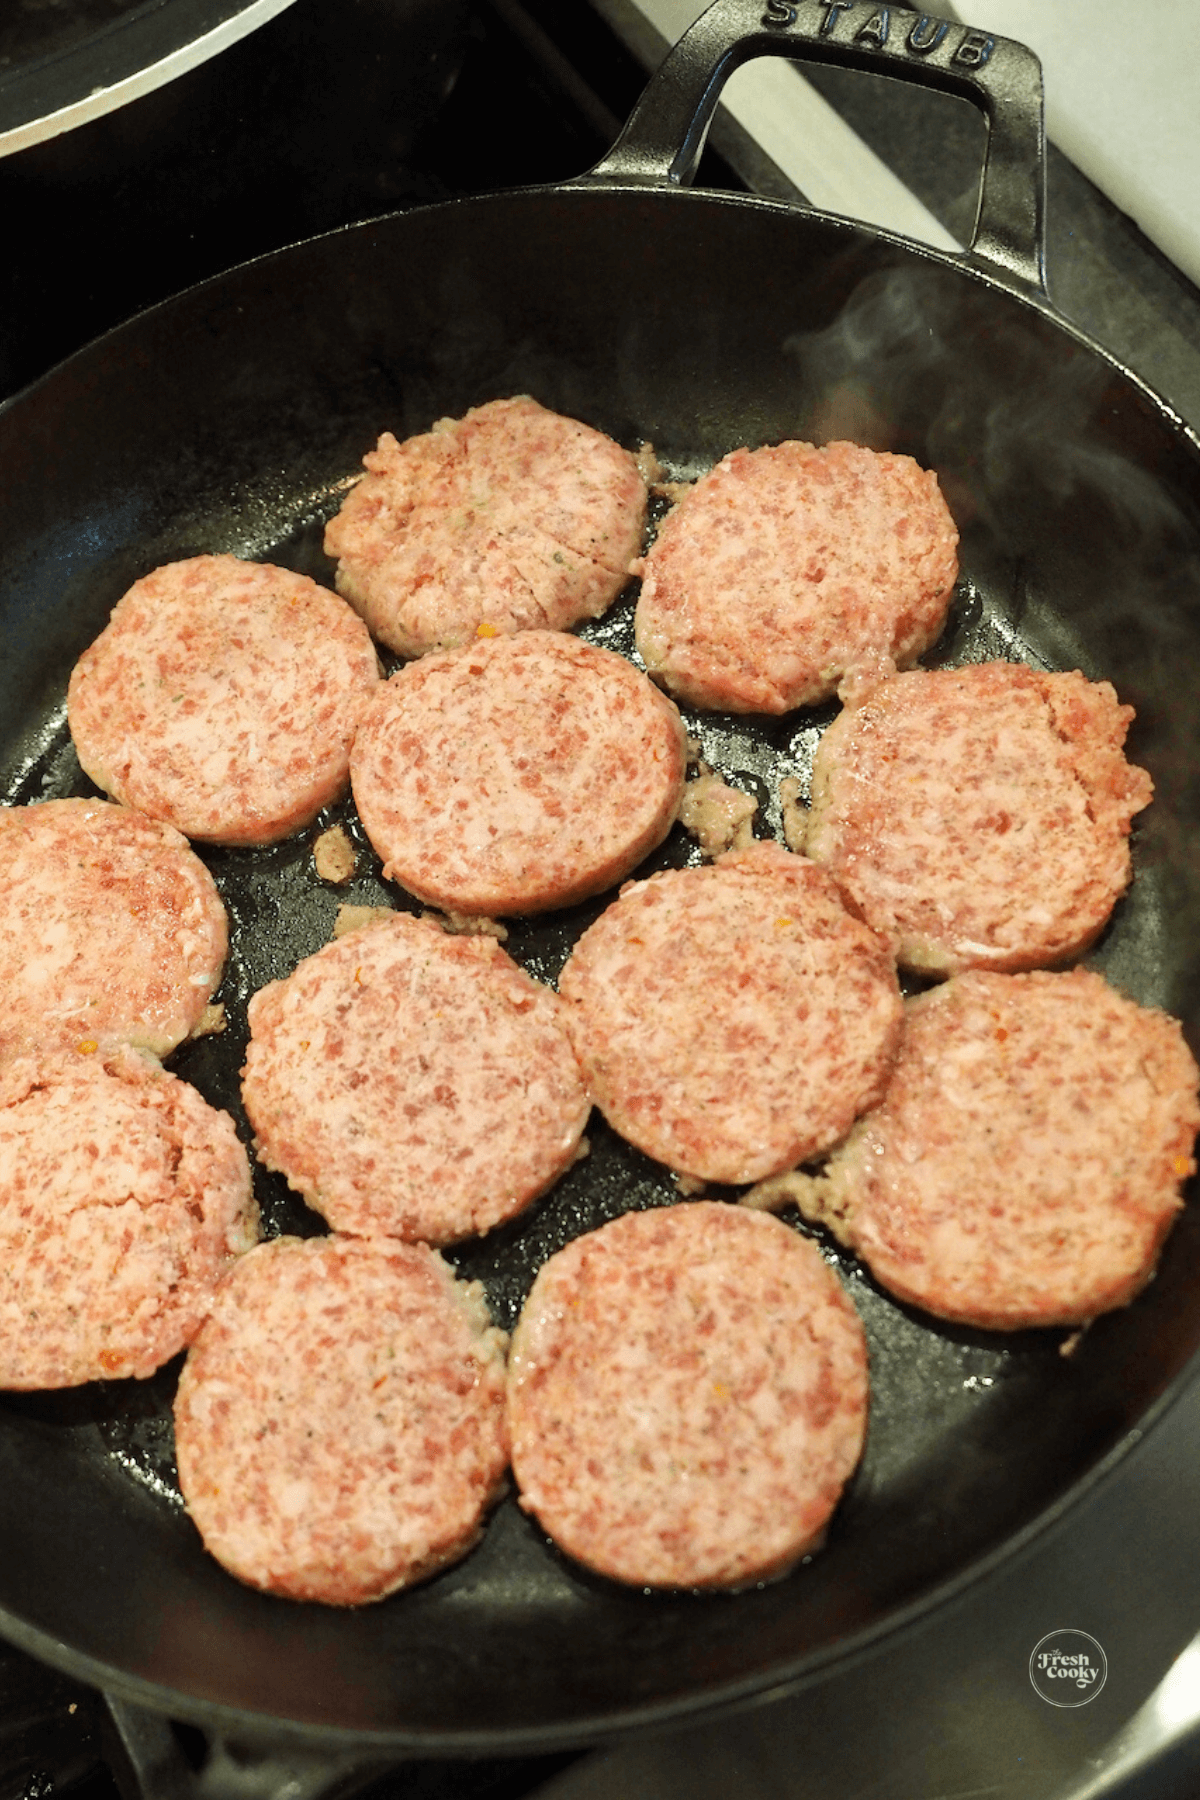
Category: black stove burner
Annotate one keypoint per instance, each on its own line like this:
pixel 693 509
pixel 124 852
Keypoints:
pixel 58 1741
pixel 51 1734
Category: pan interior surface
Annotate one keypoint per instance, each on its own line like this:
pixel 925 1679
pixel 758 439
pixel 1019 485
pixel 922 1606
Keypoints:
pixel 233 419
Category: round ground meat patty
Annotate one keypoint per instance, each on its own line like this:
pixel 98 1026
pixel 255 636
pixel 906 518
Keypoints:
pixel 339 1424
pixel 124 1197
pixel 687 1397
pixel 788 568
pixel 111 929
pixel 517 774
pixel 1025 1165
pixel 413 1084
pixel 223 697
pixel 733 1020
pixel 979 817
pixel 508 518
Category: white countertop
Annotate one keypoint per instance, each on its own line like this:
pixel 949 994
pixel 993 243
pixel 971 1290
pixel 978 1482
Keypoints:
pixel 1122 101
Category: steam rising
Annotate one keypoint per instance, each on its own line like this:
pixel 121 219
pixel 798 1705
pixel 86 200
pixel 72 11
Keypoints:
pixel 1080 524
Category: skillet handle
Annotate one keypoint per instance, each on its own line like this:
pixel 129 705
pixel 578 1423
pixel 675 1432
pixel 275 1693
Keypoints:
pixel 661 144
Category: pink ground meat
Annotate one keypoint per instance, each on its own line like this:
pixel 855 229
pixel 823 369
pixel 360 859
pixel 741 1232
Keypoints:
pixel 124 1197
pixel 412 1083
pixel 517 774
pixel 733 1020
pixel 223 696
pixel 789 568
pixel 687 1397
pixel 111 929
pixel 1026 1163
pixel 509 518
pixel 979 816
pixel 339 1423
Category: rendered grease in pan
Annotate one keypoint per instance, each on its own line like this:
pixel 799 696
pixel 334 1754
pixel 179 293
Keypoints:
pixel 934 1388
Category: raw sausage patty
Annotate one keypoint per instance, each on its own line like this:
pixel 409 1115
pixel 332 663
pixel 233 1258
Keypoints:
pixel 787 568
pixel 223 697
pixel 124 1197
pixel 979 816
pixel 733 1020
pixel 413 1084
pixel 111 929
pixel 687 1397
pixel 508 518
pixel 517 774
pixel 1026 1163
pixel 339 1423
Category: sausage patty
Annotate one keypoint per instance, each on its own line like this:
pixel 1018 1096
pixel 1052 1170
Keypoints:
pixel 733 1020
pixel 339 1424
pixel 413 1084
pixel 517 774
pixel 111 929
pixel 508 518
pixel 124 1197
pixel 785 569
pixel 223 697
pixel 979 816
pixel 687 1397
pixel 1025 1165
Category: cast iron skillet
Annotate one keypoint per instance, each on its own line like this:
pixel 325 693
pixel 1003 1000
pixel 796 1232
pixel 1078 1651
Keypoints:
pixel 233 418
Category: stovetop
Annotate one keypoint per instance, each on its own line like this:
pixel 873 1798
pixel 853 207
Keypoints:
pixel 330 114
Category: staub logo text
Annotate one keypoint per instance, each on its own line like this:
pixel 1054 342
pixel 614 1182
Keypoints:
pixel 880 27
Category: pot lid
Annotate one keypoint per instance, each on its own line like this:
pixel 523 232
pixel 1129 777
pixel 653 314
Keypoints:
pixel 69 61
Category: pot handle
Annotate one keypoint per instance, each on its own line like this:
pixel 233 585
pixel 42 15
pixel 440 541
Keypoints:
pixel 662 141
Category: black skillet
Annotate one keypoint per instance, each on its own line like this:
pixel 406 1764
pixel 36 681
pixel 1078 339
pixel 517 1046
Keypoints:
pixel 233 418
